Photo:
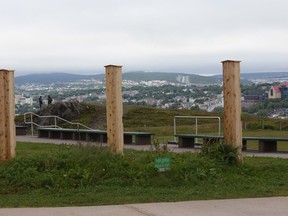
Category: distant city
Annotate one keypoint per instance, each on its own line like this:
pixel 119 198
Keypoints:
pixel 173 91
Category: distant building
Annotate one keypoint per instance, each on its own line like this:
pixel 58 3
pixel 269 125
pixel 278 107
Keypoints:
pixel 21 100
pixel 25 100
pixel 279 92
pixel 252 98
pixel 151 101
pixel 183 79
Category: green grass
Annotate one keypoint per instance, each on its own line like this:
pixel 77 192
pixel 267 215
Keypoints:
pixel 61 175
pixel 144 116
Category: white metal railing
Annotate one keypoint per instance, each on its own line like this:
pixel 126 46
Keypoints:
pixel 196 123
pixel 28 119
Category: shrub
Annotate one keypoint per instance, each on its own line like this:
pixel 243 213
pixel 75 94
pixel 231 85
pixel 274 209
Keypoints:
pixel 221 152
pixel 254 126
pixel 158 148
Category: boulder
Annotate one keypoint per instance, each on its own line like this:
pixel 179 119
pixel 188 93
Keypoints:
pixel 67 110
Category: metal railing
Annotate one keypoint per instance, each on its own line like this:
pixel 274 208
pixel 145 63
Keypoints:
pixel 28 119
pixel 196 123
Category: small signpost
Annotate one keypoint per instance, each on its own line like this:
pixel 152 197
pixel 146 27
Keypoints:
pixel 163 163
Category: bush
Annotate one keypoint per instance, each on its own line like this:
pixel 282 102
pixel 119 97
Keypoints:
pixel 260 125
pixel 221 152
pixel 254 126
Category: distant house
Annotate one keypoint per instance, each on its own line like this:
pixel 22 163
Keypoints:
pixel 279 92
pixel 252 98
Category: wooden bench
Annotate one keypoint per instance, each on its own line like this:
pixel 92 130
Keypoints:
pixel 140 138
pixel 21 130
pixel 72 134
pixel 265 144
pixel 188 140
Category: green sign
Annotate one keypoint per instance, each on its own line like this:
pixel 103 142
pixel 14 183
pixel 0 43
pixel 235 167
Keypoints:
pixel 162 163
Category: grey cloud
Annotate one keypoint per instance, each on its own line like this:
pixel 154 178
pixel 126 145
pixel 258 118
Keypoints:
pixel 150 35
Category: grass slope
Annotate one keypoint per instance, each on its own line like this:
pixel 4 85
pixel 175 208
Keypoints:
pixel 61 175
pixel 161 121
pixel 147 116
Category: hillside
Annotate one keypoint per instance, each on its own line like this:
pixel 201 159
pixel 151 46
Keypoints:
pixel 47 78
pixel 259 75
pixel 170 77
pixel 264 75
pixel 94 115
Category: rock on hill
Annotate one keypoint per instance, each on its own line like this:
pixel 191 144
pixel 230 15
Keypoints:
pixel 66 110
pixel 89 114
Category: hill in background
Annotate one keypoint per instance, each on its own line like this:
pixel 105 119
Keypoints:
pixel 46 78
pixel 94 115
pixel 264 75
pixel 170 77
pixel 134 76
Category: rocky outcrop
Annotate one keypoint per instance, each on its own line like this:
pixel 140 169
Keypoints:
pixel 66 110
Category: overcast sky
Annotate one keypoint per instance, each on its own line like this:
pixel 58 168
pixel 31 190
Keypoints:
pixel 191 36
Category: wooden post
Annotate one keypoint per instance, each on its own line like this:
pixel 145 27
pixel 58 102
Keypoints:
pixel 114 108
pixel 232 105
pixel 7 115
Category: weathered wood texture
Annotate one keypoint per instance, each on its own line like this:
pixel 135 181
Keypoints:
pixel 7 115
pixel 232 103
pixel 114 108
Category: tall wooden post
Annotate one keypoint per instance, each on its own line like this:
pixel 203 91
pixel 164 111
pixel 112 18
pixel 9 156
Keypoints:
pixel 232 105
pixel 114 108
pixel 7 115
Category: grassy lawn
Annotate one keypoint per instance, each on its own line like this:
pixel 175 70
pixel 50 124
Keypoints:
pixel 61 175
